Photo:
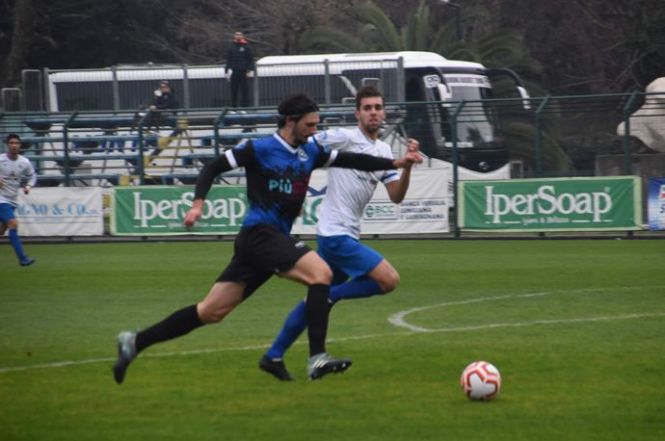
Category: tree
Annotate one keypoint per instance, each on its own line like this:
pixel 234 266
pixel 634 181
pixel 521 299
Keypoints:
pixel 376 32
pixel 481 42
pixel 592 46
pixel 21 37
pixel 272 26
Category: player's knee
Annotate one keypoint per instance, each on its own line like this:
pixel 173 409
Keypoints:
pixel 389 282
pixel 209 314
pixel 12 224
pixel 322 277
pixel 314 271
pixel 212 316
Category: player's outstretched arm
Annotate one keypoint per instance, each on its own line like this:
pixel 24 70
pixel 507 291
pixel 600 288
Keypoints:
pixel 203 183
pixel 361 161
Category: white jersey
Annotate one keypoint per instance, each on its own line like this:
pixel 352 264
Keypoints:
pixel 350 190
pixel 13 176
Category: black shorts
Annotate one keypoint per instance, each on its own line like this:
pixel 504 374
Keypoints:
pixel 259 252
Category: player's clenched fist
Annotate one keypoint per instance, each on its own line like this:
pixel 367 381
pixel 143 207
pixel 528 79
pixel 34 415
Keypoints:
pixel 194 213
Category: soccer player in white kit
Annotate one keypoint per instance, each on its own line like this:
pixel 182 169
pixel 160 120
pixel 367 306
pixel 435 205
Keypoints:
pixel 358 270
pixel 16 172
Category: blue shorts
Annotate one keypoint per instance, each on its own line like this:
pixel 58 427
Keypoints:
pixel 6 213
pixel 347 257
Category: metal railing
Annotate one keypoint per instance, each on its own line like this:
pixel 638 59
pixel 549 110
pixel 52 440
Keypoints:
pixel 126 88
pixel 591 135
pixel 125 148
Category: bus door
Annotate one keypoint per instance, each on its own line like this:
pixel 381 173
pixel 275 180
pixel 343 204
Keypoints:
pixel 425 118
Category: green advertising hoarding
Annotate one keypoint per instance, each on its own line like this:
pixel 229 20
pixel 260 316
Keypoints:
pixel 557 204
pixel 161 210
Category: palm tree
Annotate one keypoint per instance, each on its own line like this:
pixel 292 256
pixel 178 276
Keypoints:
pixel 376 33
pixel 479 43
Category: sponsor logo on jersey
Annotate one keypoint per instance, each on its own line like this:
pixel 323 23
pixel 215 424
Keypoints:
pixel 302 155
pixel 280 185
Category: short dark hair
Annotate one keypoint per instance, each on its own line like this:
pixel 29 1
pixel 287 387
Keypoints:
pixel 12 136
pixel 295 107
pixel 367 92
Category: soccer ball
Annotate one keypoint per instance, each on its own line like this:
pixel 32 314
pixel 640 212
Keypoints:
pixel 481 381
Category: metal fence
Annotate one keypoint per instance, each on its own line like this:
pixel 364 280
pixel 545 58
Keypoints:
pixel 136 148
pixel 595 135
pixel 328 82
pixel 569 136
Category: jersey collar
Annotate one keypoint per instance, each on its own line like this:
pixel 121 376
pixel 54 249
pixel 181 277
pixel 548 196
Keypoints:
pixel 364 135
pixel 285 144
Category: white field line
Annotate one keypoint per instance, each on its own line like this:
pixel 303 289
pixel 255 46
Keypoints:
pixel 396 319
pixel 66 363
pixel 533 322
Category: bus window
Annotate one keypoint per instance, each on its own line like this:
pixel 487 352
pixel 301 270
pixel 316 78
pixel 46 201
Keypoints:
pixel 474 122
pixel 92 95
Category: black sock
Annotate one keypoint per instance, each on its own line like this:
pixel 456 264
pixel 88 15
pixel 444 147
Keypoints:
pixel 316 307
pixel 177 324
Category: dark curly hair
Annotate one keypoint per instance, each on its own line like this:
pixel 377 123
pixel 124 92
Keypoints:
pixel 295 107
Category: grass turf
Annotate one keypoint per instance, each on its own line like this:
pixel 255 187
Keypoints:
pixel 576 328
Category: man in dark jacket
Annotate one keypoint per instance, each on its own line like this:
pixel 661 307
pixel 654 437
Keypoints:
pixel 240 61
pixel 163 101
pixel 164 97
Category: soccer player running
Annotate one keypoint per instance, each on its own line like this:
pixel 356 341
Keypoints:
pixel 278 169
pixel 16 172
pixel 338 228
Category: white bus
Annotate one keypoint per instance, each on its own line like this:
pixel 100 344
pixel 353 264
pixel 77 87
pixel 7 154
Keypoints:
pixel 415 79
pixel 443 102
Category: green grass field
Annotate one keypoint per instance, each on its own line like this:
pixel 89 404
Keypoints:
pixel 577 329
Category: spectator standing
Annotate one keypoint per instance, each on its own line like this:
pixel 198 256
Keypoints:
pixel 240 61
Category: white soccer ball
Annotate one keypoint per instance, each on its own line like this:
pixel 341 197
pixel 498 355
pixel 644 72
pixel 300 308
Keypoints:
pixel 481 381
